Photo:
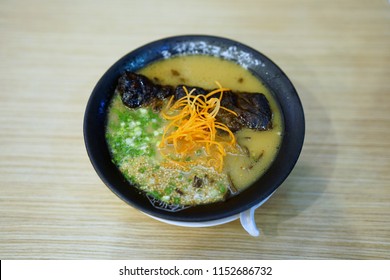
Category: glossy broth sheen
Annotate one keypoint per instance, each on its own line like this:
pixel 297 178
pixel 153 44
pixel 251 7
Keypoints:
pixel 133 136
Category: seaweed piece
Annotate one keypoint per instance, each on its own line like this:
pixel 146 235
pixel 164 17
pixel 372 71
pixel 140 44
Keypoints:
pixel 197 182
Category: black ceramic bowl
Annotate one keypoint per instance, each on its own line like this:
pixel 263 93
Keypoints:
pixel 257 63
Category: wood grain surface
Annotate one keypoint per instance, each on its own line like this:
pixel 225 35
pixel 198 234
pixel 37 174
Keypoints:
pixel 334 205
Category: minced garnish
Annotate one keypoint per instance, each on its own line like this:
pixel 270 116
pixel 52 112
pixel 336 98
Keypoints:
pixel 133 136
pixel 193 133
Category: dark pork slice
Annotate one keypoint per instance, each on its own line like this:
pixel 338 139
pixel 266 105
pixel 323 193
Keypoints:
pixel 253 110
pixel 137 90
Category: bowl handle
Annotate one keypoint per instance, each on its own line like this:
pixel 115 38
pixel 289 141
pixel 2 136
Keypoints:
pixel 248 221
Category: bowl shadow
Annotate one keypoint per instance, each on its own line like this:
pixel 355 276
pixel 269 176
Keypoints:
pixel 311 175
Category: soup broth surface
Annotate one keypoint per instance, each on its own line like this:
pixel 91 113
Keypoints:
pixel 133 136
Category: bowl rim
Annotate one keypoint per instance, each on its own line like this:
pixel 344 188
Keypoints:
pixel 162 48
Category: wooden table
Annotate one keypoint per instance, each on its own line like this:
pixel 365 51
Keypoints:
pixel 335 204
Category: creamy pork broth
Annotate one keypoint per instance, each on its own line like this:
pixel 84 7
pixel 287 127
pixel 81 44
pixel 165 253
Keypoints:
pixel 133 136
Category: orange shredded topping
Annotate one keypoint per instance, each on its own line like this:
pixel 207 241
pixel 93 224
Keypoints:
pixel 193 134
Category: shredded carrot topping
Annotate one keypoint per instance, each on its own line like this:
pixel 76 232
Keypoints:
pixel 192 135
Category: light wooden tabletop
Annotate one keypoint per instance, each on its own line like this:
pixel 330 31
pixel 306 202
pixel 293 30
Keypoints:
pixel 334 205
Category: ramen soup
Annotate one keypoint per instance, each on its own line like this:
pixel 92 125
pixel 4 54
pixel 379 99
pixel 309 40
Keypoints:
pixel 175 166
